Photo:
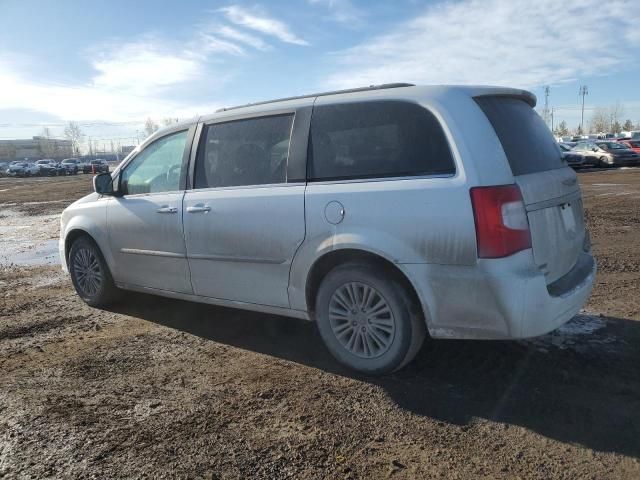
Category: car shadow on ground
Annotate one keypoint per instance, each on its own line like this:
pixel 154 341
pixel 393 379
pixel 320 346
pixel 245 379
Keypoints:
pixel 585 390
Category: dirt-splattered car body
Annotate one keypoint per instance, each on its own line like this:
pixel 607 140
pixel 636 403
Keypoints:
pixel 489 238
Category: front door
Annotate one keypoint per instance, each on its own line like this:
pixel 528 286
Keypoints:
pixel 145 222
pixel 243 220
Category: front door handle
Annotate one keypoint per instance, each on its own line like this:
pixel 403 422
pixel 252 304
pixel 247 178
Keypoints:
pixel 167 209
pixel 199 209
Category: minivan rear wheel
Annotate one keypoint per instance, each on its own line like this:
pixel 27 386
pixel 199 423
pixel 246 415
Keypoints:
pixel 366 319
pixel 90 274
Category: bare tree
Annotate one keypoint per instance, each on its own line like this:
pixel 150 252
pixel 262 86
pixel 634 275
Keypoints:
pixel 74 134
pixel 616 127
pixel 615 115
pixel 599 120
pixel 561 129
pixel 628 125
pixel 150 126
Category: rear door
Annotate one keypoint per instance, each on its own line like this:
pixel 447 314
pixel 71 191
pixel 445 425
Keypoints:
pixel 244 217
pixel 549 187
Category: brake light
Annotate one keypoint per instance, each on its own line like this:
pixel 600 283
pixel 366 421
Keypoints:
pixel 502 227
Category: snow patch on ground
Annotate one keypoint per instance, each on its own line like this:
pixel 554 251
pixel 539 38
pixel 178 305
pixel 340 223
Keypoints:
pixel 583 332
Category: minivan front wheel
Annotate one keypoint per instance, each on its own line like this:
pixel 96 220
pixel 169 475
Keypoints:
pixel 366 320
pixel 90 274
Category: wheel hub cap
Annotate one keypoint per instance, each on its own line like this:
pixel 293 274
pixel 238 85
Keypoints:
pixel 361 320
pixel 87 271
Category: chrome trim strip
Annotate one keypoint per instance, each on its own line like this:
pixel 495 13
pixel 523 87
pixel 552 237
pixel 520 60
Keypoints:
pixel 555 201
pixel 231 258
pixel 153 253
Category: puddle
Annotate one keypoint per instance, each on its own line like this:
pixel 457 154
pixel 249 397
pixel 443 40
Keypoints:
pixel 28 239
pixel 45 253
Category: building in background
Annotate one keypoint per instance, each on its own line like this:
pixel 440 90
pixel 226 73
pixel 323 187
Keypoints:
pixel 126 149
pixel 35 149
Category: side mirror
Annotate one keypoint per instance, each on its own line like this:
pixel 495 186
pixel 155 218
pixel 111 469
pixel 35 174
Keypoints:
pixel 594 149
pixel 103 184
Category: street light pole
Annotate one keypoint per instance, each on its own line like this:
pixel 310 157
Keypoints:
pixel 583 91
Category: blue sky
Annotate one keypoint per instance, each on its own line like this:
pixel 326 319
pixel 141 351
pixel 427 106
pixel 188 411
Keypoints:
pixel 110 65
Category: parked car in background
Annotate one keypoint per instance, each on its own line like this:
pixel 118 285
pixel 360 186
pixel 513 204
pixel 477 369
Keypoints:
pixel 50 168
pixel 99 165
pixel 573 158
pixel 23 169
pixel 607 153
pixel 631 144
pixel 71 165
pixel 379 213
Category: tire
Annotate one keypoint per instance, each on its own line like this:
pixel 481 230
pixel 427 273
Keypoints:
pixel 602 162
pixel 378 339
pixel 95 287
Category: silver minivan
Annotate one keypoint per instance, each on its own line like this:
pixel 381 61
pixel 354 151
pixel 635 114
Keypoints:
pixel 382 214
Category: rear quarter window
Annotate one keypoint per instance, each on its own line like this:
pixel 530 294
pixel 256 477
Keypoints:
pixel 527 141
pixel 376 139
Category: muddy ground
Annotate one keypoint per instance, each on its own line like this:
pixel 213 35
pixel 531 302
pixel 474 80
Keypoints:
pixel 159 388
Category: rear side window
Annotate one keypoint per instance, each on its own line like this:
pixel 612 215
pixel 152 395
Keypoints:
pixel 376 139
pixel 244 152
pixel 526 139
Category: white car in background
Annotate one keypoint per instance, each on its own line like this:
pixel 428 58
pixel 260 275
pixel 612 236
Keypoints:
pixel 23 169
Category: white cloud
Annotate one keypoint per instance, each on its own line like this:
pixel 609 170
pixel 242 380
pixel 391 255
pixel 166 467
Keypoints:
pixel 519 43
pixel 242 37
pixel 141 67
pixel 263 24
pixel 342 11
pixel 105 98
pixel 210 43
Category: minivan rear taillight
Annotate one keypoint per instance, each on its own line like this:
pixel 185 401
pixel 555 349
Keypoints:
pixel 502 228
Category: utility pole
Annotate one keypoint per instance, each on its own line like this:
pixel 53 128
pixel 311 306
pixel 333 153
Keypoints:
pixel 552 108
pixel 545 112
pixel 583 91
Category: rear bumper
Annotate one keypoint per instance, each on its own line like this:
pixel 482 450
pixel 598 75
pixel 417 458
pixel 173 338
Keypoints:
pixel 499 299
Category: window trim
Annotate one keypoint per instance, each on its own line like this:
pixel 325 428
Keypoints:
pixel 389 176
pixel 190 129
pixel 200 137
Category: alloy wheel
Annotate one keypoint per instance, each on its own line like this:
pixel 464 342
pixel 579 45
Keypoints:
pixel 88 273
pixel 361 320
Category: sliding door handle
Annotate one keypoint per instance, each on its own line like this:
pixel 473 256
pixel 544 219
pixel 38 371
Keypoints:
pixel 199 209
pixel 167 209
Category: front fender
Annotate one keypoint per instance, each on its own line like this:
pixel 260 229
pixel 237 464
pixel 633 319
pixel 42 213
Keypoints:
pixel 90 218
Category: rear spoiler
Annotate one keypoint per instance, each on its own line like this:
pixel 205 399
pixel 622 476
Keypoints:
pixel 528 97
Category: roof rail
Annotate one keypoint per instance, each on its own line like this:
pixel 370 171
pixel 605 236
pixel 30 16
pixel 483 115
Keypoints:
pixel 322 94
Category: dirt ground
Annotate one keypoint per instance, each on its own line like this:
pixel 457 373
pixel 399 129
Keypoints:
pixel 158 388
